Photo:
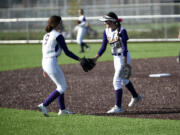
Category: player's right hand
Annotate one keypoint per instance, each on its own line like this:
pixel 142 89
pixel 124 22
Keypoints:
pixel 45 75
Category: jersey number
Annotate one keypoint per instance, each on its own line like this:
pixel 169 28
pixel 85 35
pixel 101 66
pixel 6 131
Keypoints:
pixel 46 39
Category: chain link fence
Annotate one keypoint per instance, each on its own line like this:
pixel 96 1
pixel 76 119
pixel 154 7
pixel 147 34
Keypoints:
pixel 146 26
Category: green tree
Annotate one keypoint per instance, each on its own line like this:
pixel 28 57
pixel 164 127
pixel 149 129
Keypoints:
pixel 73 6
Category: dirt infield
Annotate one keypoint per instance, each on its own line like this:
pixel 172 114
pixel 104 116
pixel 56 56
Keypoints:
pixel 92 93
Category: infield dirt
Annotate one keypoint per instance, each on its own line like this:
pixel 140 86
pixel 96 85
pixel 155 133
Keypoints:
pixel 92 93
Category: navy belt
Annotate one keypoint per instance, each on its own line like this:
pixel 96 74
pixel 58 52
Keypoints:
pixel 116 54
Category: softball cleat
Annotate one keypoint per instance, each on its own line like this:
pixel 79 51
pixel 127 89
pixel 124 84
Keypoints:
pixel 88 48
pixel 43 109
pixel 65 111
pixel 115 109
pixel 134 101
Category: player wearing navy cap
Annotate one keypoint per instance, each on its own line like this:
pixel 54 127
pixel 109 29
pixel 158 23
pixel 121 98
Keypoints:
pixel 52 46
pixel 117 37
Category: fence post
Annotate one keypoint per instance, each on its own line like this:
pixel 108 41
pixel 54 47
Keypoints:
pixel 165 28
pixel 27 31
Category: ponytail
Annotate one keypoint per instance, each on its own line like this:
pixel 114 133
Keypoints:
pixel 118 24
pixel 53 22
pixel 48 28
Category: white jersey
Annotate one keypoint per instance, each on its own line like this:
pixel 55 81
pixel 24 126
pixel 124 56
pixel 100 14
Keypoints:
pixel 118 48
pixel 82 19
pixel 81 29
pixel 114 40
pixel 50 47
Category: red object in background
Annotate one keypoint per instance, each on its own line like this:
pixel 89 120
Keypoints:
pixel 120 19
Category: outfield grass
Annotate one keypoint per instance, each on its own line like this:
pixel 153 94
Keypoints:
pixel 27 56
pixel 20 122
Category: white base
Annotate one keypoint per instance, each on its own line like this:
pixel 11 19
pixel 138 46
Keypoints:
pixel 160 75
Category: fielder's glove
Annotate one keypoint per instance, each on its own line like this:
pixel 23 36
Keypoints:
pixel 125 72
pixel 87 64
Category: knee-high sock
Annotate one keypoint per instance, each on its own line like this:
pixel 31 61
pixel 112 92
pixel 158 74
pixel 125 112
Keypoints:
pixel 82 47
pixel 118 97
pixel 130 87
pixel 61 102
pixel 51 98
pixel 84 44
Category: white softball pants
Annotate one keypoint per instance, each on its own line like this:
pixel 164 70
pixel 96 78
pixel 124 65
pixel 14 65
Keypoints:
pixel 80 35
pixel 118 64
pixel 51 67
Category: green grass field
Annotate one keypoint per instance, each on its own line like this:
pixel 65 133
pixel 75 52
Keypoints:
pixel 21 122
pixel 27 122
pixel 27 56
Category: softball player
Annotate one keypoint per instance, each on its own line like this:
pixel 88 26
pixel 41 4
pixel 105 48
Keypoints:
pixel 81 30
pixel 117 37
pixel 52 46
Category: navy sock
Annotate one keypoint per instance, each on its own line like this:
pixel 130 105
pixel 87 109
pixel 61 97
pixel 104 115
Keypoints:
pixel 82 47
pixel 61 102
pixel 84 44
pixel 118 97
pixel 130 87
pixel 51 98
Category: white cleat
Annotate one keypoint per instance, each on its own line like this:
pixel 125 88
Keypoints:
pixel 88 48
pixel 115 109
pixel 134 101
pixel 65 111
pixel 43 109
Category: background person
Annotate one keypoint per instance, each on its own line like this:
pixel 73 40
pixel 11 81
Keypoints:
pixel 81 30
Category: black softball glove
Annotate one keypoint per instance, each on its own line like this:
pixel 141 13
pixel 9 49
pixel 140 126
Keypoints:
pixel 87 64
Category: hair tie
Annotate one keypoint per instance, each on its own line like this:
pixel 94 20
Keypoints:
pixel 120 19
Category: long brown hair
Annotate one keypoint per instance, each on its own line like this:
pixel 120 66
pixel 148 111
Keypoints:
pixel 81 11
pixel 118 24
pixel 53 21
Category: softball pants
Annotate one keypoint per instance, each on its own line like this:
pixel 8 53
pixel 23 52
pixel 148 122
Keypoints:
pixel 80 35
pixel 118 64
pixel 51 67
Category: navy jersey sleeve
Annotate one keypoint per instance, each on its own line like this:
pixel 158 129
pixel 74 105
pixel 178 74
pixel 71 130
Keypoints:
pixel 125 38
pixel 104 44
pixel 84 19
pixel 83 22
pixel 61 41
